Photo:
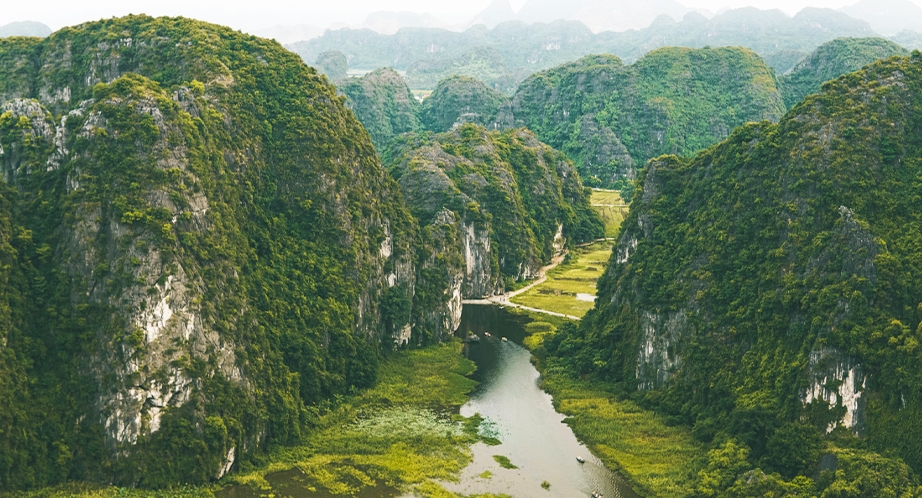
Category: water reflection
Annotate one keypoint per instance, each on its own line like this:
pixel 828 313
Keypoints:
pixel 522 416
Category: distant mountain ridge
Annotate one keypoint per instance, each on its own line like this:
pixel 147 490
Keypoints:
pixel 504 56
pixel 25 28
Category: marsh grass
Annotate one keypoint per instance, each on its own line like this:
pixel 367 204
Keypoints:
pixel 657 459
pixel 577 276
pixel 403 433
pixel 504 462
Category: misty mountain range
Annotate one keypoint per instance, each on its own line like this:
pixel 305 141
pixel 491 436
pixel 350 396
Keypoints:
pixel 886 17
pixel 892 18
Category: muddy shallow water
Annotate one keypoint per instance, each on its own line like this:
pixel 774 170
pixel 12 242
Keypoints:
pixel 521 415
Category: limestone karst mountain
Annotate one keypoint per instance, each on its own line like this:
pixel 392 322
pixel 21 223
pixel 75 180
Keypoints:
pixel 460 99
pixel 25 28
pixel 612 118
pixel 831 60
pixel 502 202
pixel 383 103
pixel 767 292
pixel 887 17
pixel 198 241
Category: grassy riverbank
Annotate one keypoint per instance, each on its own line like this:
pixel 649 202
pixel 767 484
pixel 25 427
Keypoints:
pixel 659 460
pixel 402 435
pixel 570 281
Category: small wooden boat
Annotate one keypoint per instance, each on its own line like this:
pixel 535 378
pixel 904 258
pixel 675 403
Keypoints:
pixel 580 459
pixel 505 340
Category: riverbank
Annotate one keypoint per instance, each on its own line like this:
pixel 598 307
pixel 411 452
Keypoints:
pixel 403 436
pixel 657 459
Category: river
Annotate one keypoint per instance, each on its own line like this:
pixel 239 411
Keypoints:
pixel 521 415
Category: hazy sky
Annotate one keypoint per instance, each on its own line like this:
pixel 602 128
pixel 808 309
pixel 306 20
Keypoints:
pixel 250 14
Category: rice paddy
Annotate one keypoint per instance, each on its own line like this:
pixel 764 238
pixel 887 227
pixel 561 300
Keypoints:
pixel 571 287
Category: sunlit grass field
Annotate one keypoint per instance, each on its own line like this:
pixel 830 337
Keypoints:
pixel 565 283
pixel 611 208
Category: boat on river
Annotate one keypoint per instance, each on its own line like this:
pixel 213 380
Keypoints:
pixel 505 340
pixel 487 334
pixel 472 338
pixel 580 459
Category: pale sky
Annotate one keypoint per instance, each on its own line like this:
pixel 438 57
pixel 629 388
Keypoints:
pixel 250 14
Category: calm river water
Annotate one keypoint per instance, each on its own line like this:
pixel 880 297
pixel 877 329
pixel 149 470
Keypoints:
pixel 522 416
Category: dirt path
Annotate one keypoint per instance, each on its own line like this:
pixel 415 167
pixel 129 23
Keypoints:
pixel 504 299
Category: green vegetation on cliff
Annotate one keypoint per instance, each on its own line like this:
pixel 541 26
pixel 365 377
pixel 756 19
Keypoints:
pixel 333 64
pixel 611 118
pixel 511 196
pixel 461 99
pixel 201 246
pixel 383 104
pixel 831 60
pixel 766 293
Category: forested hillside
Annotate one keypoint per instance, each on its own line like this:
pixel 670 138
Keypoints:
pixel 197 243
pixel 383 104
pixel 767 292
pixel 461 99
pixel 832 60
pixel 611 118
pixel 501 203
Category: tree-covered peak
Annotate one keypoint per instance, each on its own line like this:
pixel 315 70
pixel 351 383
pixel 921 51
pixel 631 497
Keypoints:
pixel 831 60
pixel 462 99
pixel 766 291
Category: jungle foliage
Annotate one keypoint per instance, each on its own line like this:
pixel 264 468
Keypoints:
pixel 611 118
pixel 383 103
pixel 170 164
pixel 784 261
pixel 831 60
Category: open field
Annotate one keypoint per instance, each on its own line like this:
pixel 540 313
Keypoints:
pixel 570 288
pixel 611 209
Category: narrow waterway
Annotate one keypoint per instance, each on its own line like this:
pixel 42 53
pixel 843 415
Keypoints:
pixel 522 417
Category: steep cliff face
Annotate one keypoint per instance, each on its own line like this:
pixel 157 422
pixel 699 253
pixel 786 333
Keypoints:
pixel 611 118
pixel 504 197
pixel 773 280
pixel 212 240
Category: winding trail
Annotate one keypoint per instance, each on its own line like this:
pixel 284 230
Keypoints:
pixel 504 299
